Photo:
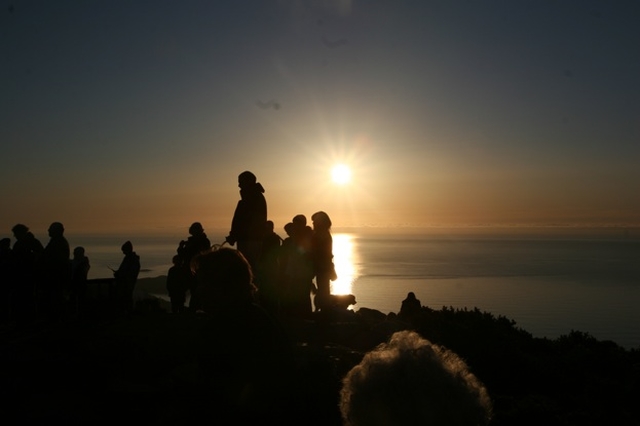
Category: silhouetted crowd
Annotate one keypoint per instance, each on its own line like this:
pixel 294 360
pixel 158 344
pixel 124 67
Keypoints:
pixel 283 269
pixel 238 300
pixel 245 358
pixel 49 284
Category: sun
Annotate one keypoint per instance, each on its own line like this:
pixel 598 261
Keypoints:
pixel 341 174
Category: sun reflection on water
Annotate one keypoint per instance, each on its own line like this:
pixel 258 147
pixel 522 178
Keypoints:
pixel 345 258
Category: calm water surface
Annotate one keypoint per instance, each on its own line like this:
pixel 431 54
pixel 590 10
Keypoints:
pixel 549 286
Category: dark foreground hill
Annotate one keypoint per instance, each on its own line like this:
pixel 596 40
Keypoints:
pixel 140 368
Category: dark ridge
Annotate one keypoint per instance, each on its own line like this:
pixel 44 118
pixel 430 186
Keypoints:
pixel 103 366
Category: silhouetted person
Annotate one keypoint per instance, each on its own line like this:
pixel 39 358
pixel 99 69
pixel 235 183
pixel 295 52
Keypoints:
pixel 187 250
pixel 126 277
pixel 245 358
pixel 5 249
pixel 410 381
pixel 410 308
pixel 297 269
pixel 284 255
pixel 57 272
pixel 178 278
pixel 249 219
pixel 27 253
pixel 79 272
pixel 267 279
pixel 322 254
pixel 6 280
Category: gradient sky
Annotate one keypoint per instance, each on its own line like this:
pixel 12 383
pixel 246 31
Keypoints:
pixel 123 115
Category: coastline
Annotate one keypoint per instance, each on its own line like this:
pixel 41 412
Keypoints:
pixel 532 321
pixel 577 280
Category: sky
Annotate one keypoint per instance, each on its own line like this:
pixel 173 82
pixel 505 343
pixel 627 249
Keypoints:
pixel 135 115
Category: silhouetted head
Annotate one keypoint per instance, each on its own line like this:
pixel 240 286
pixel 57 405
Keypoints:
pixel 127 247
pixel 78 252
pixel 410 381
pixel 411 295
pixel 269 226
pixel 5 244
pixel 56 229
pixel 196 228
pixel 300 220
pixel 246 179
pixel 289 228
pixel 19 231
pixel 176 260
pixel 224 279
pixel 321 221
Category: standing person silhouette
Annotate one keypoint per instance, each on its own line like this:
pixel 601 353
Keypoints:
pixel 26 256
pixel 126 277
pixel 6 280
pixel 79 271
pixel 249 219
pixel 266 275
pixel 322 255
pixel 197 243
pixel 178 278
pixel 297 271
pixel 57 272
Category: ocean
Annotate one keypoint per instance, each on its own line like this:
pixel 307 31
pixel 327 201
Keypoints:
pixel 550 284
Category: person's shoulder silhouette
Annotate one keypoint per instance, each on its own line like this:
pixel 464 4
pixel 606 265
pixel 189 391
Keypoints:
pixel 249 218
pixel 57 249
pixel 244 354
pixel 25 240
pixel 196 242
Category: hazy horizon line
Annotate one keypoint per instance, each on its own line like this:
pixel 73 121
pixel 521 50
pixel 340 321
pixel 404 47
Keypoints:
pixel 624 227
pixel 369 227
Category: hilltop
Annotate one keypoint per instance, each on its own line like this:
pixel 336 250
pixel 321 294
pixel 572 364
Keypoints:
pixel 97 370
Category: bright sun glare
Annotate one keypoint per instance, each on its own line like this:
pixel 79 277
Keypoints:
pixel 341 174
